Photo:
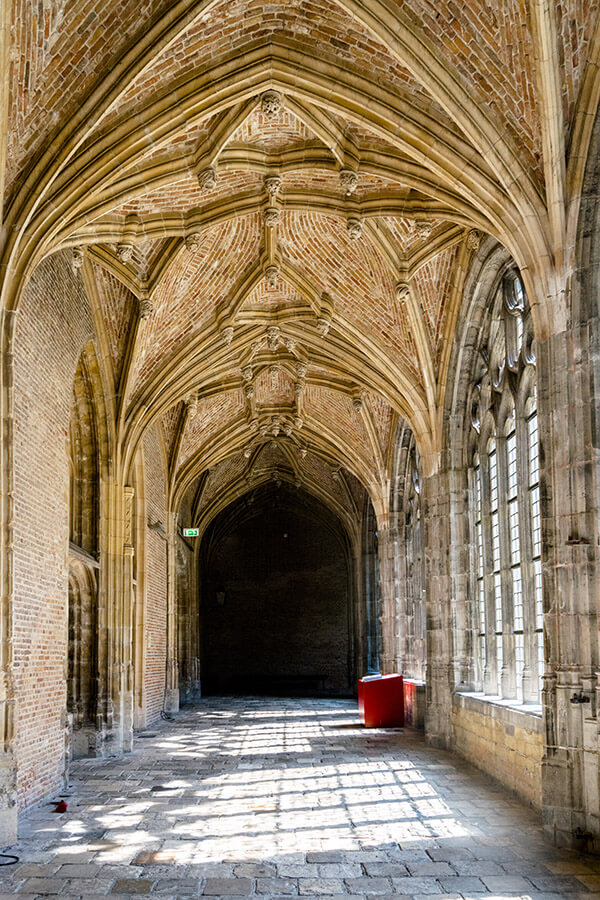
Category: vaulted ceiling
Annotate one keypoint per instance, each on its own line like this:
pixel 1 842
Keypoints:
pixel 274 206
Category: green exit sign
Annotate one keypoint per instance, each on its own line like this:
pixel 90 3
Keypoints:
pixel 190 532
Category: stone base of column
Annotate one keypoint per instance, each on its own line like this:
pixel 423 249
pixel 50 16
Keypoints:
pixel 438 712
pixel 8 825
pixel 171 704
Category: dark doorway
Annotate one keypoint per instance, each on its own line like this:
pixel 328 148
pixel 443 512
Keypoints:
pixel 275 605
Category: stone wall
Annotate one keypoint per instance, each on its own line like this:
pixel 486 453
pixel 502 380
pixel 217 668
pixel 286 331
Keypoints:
pixel 505 743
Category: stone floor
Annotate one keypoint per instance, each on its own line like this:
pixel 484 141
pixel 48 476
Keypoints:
pixel 282 798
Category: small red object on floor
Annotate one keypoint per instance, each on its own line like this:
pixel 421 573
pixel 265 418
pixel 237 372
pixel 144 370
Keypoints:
pixel 381 701
pixel 61 806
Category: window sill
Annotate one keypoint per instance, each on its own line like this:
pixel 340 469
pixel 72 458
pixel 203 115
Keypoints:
pixel 509 712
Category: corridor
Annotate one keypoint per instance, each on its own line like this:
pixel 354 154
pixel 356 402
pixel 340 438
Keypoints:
pixel 282 798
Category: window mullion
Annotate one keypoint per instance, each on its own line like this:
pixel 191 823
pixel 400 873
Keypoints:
pixel 507 677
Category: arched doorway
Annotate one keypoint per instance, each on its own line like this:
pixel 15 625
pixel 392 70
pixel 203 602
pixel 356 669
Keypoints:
pixel 275 598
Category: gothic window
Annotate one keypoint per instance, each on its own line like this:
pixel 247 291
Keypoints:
pixel 505 502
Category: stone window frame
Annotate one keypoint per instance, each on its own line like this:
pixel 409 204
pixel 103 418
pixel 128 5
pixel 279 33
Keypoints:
pixel 507 645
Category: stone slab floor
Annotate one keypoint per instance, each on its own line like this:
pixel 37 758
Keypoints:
pixel 286 798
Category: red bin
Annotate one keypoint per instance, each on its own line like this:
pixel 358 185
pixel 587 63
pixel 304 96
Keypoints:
pixel 381 701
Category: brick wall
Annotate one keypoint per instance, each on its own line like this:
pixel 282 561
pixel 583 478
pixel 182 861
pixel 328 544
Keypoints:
pixel 52 327
pixel 283 625
pixel 156 577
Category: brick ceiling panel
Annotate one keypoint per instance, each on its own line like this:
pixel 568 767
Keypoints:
pixel 283 131
pixel 212 415
pixel 185 195
pixel 118 306
pixel 273 298
pixel 221 477
pixel 382 414
pixel 406 235
pixel 490 45
pixel 335 411
pixel 170 422
pixel 194 286
pixel 320 27
pixel 274 388
pixel 315 469
pixel 359 280
pixel 58 52
pixel 328 182
pixel 434 283
pixel 575 21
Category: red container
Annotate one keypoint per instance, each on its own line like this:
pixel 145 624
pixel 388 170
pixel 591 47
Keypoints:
pixel 381 701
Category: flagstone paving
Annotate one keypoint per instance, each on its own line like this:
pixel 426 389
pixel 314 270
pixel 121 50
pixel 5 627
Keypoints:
pixel 288 798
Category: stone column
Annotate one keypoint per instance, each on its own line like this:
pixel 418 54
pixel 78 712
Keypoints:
pixel 438 590
pixel 463 600
pixel 569 488
pixel 8 762
pixel 116 704
pixel 387 548
pixel 8 706
pixel 171 703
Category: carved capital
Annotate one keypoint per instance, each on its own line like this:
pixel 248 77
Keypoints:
pixel 191 402
pixel 272 184
pixel 298 422
pixel 348 181
pixel 192 242
pixel 247 452
pixel 247 373
pixel 289 344
pixel 299 388
pixel 207 179
pixel 301 369
pixel 272 217
pixel 272 275
pixel 473 239
pixel 423 229
pixel 323 325
pixel 249 391
pixel 274 369
pixel 287 429
pixel 145 306
pixel 125 252
pixel 402 292
pixel 303 452
pixel 77 257
pixel 270 104
pixel 273 335
pixel 355 228
pixel 227 334
pixel 357 403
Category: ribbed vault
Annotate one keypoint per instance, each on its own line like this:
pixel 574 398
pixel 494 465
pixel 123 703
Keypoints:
pixel 273 211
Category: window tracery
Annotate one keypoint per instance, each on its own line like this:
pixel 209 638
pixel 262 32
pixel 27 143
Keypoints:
pixel 504 482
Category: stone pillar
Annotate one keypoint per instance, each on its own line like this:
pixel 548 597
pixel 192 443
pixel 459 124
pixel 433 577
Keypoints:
pixel 8 706
pixel 116 705
pixel 438 590
pixel 8 762
pixel 569 487
pixel 461 563
pixel 171 702
pixel 387 548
